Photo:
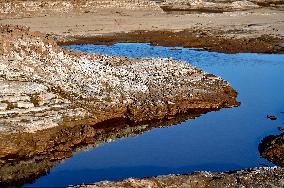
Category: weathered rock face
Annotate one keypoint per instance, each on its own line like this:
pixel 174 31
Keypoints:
pixel 27 8
pixel 272 148
pixel 50 96
pixel 43 85
pixel 262 177
pixel 216 5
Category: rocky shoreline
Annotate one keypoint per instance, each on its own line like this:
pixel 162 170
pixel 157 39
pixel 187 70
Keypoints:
pixel 48 93
pixel 272 148
pixel 258 177
pixel 54 101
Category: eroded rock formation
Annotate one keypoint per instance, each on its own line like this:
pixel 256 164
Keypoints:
pixel 216 5
pixel 272 148
pixel 49 96
pixel 43 85
pixel 28 8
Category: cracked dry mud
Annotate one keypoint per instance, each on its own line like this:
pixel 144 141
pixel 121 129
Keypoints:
pixel 49 94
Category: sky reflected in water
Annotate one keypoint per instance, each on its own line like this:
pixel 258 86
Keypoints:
pixel 217 141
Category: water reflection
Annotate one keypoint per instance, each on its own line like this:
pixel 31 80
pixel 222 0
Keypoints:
pixel 25 171
pixel 218 141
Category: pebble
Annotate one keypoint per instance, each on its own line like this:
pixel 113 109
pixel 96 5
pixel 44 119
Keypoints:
pixel 271 117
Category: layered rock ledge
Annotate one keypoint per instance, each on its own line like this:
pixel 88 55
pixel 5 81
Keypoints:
pixel 30 8
pixel 46 90
pixel 43 84
pixel 215 6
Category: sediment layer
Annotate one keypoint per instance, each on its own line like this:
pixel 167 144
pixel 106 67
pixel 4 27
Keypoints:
pixel 204 39
pixel 216 6
pixel 31 8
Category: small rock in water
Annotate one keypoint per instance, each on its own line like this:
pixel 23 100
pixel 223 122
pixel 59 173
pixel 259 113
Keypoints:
pixel 271 117
pixel 280 128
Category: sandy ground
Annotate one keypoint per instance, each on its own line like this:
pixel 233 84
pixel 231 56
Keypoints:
pixel 255 22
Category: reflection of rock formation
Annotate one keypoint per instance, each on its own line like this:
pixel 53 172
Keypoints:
pixel 272 148
pixel 45 148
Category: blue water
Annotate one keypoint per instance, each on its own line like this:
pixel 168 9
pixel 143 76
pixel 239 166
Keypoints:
pixel 217 141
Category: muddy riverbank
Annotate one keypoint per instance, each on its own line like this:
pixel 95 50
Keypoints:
pixel 204 39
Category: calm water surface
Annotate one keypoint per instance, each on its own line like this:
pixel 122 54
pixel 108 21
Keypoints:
pixel 217 141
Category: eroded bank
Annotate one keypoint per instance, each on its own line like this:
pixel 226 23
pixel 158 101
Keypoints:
pixel 51 96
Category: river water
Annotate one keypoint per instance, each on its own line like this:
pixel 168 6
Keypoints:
pixel 217 141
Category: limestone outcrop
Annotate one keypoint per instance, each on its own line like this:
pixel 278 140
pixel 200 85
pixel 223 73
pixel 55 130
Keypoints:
pixel 43 85
pixel 50 95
